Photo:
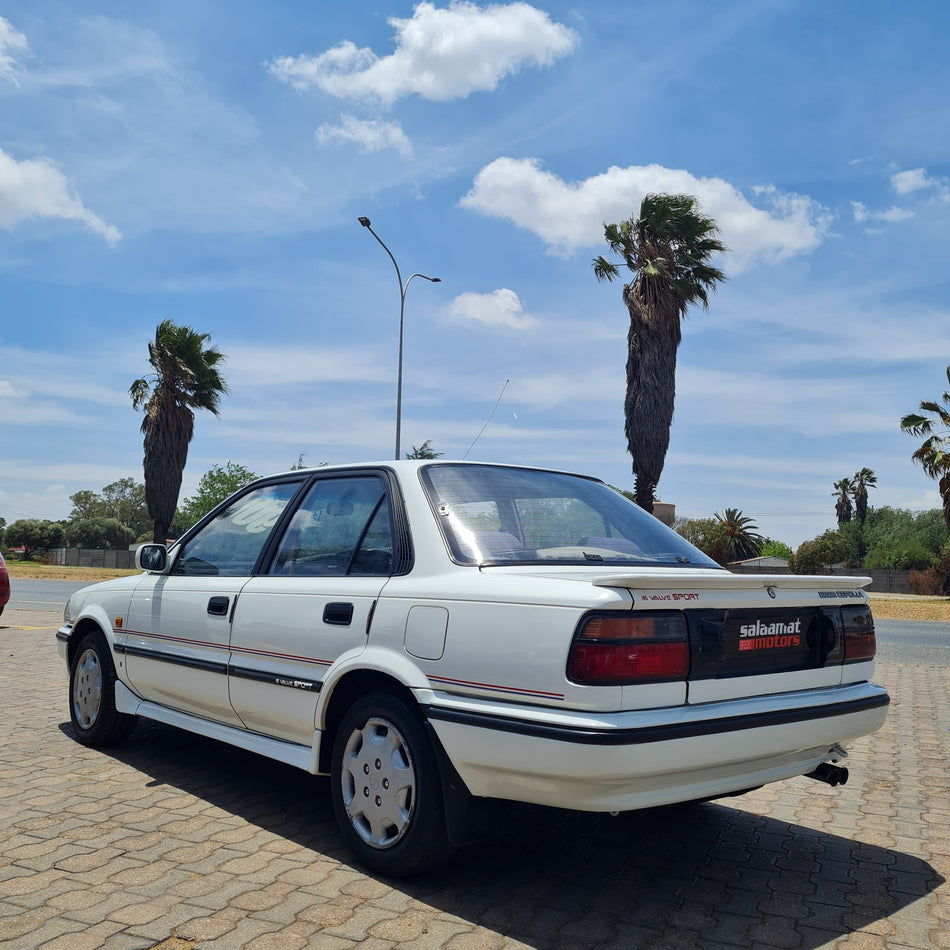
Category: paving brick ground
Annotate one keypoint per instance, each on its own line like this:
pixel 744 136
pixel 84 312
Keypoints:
pixel 174 842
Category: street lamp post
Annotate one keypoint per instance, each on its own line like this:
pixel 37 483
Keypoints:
pixel 403 287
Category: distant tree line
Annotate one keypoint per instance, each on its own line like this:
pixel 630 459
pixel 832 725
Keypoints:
pixel 118 515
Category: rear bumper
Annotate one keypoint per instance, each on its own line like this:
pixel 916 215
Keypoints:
pixel 624 761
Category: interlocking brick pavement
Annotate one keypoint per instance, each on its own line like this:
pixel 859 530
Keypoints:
pixel 174 842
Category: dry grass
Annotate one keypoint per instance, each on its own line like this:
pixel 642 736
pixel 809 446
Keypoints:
pixel 884 608
pixel 52 572
pixel 923 608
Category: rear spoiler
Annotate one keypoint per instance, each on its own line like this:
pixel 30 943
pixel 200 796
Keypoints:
pixel 685 580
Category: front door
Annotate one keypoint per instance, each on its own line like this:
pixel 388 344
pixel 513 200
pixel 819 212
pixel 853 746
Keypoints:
pixel 179 624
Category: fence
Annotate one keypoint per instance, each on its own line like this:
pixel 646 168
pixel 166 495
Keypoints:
pixel 92 557
pixel 882 582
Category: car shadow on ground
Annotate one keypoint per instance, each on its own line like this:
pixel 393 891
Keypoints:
pixel 703 875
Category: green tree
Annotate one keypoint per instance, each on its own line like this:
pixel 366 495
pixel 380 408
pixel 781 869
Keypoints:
pixel 86 504
pixel 772 548
pixel 862 481
pixel 3 530
pixel 123 500
pixel 894 537
pixel 99 533
pixel 933 455
pixel 185 378
pixel 908 555
pixel 667 248
pixel 843 507
pixel 707 534
pixel 34 535
pixel 811 557
pixel 424 451
pixel 218 483
pixel 742 538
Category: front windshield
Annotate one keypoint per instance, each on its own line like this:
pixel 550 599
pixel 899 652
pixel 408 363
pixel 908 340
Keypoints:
pixel 495 515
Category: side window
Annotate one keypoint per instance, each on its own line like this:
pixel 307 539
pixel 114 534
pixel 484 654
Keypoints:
pixel 342 527
pixel 230 545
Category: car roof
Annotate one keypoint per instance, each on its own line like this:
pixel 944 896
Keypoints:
pixel 407 466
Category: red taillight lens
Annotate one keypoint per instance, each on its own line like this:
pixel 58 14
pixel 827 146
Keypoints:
pixel 610 650
pixel 860 642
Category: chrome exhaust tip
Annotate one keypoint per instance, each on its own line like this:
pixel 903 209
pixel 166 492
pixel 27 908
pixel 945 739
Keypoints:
pixel 832 775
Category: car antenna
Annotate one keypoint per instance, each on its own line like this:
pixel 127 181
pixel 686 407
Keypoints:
pixel 487 421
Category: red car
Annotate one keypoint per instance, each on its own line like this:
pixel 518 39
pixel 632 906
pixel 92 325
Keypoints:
pixel 4 584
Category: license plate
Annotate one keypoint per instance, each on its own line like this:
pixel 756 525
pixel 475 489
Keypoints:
pixel 767 635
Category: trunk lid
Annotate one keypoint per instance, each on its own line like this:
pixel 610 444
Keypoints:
pixel 751 635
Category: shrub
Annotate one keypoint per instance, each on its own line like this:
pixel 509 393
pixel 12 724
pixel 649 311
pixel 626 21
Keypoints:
pixel 900 556
pixel 935 580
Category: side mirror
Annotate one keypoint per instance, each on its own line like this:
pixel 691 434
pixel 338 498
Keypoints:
pixel 152 557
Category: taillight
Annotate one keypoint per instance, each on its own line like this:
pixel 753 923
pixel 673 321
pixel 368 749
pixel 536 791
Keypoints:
pixel 859 640
pixel 626 649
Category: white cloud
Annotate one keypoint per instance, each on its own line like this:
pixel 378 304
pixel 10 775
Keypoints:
pixel 568 216
pixel 257 365
pixel 917 179
pixel 441 54
pixel 38 189
pixel 370 136
pixel 500 308
pixel 861 214
pixel 11 41
pixel 914 180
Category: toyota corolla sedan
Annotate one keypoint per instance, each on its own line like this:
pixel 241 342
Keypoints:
pixel 436 636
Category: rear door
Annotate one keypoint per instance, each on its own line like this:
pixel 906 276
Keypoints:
pixel 313 604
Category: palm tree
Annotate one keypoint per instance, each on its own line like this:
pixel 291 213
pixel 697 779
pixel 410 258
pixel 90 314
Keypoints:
pixel 185 378
pixel 742 537
pixel 843 490
pixel 934 453
pixel 862 481
pixel 667 247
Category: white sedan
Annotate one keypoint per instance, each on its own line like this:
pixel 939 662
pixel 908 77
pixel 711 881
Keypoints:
pixel 439 635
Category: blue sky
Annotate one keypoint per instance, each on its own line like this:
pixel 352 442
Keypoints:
pixel 207 162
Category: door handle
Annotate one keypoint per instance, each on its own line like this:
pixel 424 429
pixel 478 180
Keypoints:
pixel 218 606
pixel 339 614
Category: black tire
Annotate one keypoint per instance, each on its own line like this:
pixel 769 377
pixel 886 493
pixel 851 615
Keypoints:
pixel 92 677
pixel 386 788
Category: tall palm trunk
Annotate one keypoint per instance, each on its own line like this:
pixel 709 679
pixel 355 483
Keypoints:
pixel 652 341
pixel 166 452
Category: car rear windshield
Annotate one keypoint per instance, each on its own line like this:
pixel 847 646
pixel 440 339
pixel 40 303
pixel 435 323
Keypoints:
pixel 497 515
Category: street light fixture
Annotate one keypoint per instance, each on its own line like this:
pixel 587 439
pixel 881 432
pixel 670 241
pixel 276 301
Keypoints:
pixel 403 287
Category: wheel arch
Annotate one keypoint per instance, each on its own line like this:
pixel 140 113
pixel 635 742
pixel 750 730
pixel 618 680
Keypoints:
pixel 466 818
pixel 346 690
pixel 80 629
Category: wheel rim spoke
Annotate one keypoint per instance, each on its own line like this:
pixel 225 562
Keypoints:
pixel 379 783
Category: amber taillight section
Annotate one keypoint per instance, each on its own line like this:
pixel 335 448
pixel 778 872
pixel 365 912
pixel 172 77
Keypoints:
pixel 611 650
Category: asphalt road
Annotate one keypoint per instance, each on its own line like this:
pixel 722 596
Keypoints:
pixel 922 643
pixel 27 594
